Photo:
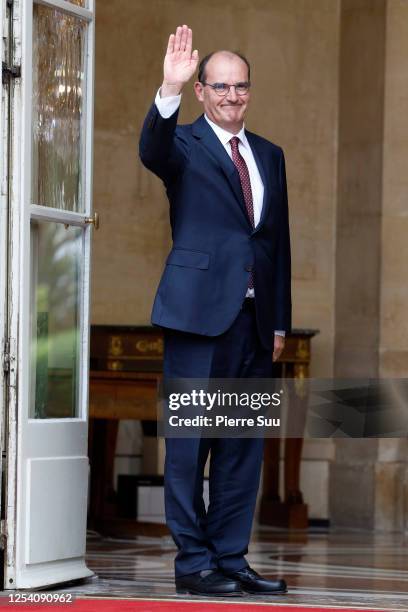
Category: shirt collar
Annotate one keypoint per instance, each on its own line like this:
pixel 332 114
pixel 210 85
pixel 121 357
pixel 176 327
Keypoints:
pixel 225 136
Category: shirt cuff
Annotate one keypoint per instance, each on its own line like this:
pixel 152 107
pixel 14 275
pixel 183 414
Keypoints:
pixel 279 332
pixel 167 106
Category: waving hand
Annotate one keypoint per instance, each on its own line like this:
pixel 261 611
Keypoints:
pixel 180 61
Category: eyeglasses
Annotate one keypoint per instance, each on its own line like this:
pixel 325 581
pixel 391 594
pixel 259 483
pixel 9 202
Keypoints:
pixel 222 89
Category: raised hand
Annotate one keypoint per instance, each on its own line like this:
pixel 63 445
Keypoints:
pixel 180 61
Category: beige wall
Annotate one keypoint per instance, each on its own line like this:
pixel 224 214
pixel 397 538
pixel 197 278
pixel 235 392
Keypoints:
pixel 394 268
pixel 392 468
pixel 293 48
pixel 330 87
pixel 372 251
pixel 359 201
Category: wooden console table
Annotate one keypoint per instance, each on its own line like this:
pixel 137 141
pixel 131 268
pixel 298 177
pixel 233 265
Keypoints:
pixel 126 364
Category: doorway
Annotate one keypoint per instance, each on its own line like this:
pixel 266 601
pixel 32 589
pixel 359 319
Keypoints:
pixel 46 228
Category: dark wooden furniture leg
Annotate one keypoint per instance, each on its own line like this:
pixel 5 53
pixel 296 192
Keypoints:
pixel 102 444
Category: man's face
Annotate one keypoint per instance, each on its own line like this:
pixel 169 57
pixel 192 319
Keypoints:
pixel 226 111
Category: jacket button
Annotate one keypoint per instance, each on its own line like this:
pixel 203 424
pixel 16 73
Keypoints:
pixel 249 268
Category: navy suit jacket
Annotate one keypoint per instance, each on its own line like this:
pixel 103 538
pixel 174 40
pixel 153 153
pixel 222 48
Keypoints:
pixel 214 245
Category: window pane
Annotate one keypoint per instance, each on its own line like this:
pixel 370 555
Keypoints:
pixel 56 255
pixel 58 106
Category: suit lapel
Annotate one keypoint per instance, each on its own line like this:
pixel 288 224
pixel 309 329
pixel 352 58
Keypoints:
pixel 202 130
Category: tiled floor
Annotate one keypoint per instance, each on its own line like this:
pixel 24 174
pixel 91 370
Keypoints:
pixel 335 568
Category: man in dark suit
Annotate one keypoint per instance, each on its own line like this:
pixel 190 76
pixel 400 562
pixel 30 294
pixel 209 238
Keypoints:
pixel 224 300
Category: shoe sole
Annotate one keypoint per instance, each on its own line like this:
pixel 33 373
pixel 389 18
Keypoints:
pixel 265 592
pixel 201 594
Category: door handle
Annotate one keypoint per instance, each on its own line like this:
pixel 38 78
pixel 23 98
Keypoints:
pixel 94 220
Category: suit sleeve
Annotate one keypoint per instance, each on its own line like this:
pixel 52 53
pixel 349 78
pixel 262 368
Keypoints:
pixel 283 304
pixel 161 149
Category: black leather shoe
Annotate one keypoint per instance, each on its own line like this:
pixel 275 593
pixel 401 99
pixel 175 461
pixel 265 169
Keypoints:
pixel 210 583
pixel 252 582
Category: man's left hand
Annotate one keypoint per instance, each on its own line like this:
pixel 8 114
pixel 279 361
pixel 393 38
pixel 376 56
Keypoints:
pixel 278 346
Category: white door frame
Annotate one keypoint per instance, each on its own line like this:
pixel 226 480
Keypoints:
pixel 10 156
pixel 3 236
pixel 22 440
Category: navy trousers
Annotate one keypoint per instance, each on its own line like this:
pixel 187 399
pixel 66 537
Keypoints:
pixel 219 537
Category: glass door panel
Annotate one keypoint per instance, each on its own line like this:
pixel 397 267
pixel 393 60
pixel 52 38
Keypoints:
pixel 56 256
pixel 59 53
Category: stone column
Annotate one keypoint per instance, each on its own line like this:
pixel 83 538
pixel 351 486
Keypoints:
pixel 358 248
pixel 392 472
pixel 368 477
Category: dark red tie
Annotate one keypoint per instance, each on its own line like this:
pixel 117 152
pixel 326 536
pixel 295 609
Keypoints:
pixel 242 168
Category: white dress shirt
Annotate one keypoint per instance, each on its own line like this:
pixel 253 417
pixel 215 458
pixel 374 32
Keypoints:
pixel 168 105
